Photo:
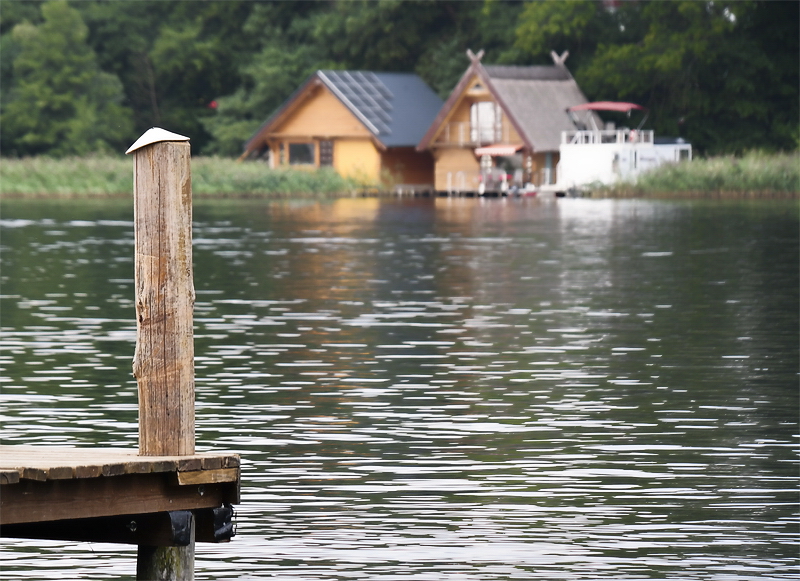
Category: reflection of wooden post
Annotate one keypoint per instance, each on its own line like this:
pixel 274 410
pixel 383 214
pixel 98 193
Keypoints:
pixel 164 360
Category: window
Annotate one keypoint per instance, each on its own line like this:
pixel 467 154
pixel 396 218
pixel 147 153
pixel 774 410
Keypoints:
pixel 486 122
pixel 326 153
pixel 301 154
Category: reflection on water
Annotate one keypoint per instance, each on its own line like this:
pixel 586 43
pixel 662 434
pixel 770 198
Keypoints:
pixel 441 388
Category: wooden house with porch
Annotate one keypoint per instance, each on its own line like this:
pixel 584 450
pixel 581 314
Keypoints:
pixel 365 125
pixel 500 129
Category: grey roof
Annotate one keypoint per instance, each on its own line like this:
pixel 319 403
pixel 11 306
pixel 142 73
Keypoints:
pixel 537 98
pixel 534 73
pixel 396 107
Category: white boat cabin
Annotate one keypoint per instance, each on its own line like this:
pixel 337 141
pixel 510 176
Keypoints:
pixel 589 154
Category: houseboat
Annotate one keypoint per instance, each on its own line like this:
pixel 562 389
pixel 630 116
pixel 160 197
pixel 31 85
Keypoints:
pixel 590 154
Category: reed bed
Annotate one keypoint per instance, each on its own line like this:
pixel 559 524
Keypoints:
pixel 66 177
pixel 753 174
pixel 94 177
pixel 220 177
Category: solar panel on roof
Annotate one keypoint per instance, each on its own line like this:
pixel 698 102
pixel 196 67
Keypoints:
pixel 366 94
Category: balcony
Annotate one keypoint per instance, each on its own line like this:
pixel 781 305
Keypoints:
pixel 464 134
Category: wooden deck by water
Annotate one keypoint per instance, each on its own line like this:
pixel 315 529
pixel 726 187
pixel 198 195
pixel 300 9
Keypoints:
pixel 70 493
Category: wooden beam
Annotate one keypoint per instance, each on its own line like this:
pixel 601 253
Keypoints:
pixel 154 529
pixel 161 529
pixel 208 476
pixel 31 501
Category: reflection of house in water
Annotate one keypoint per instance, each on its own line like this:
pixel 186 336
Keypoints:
pixel 502 121
pixel 363 124
pixel 331 257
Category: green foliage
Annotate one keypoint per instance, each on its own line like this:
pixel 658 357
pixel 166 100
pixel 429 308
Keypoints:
pixel 297 39
pixel 69 176
pixel 60 102
pixel 575 26
pixel 722 74
pixel 174 58
pixel 268 77
pixel 215 176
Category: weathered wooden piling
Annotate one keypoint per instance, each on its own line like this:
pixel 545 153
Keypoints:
pixel 163 363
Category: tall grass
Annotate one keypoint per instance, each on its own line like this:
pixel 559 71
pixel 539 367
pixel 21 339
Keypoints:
pixel 216 177
pixel 74 176
pixel 754 174
pixel 211 177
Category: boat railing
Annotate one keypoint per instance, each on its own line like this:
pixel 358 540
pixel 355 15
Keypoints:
pixel 591 137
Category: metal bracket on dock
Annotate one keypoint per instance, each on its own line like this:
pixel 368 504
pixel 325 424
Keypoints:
pixel 223 523
pixel 181 522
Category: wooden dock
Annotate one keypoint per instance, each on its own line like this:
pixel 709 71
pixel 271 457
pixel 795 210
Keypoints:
pixel 114 495
pixel 164 496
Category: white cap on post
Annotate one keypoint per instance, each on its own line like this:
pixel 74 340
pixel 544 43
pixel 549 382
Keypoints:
pixel 155 135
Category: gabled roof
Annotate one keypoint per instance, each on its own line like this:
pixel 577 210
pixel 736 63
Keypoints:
pixel 396 108
pixel 534 98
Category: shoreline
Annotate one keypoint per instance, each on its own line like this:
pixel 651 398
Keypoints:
pixel 755 175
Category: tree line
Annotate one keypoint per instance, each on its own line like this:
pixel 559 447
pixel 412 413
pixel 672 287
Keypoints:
pixel 90 76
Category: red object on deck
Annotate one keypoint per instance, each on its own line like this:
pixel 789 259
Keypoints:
pixel 607 106
pixel 498 149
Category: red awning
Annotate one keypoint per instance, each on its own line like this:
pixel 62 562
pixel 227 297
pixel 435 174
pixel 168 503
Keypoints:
pixel 498 149
pixel 607 106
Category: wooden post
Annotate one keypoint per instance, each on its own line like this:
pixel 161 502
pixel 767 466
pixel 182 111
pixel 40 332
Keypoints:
pixel 163 363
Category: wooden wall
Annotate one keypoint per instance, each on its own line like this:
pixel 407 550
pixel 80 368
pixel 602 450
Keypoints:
pixel 320 115
pixel 539 163
pixel 452 161
pixel 408 166
pixel 357 158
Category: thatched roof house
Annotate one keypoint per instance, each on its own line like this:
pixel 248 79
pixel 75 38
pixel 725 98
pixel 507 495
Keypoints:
pixel 509 115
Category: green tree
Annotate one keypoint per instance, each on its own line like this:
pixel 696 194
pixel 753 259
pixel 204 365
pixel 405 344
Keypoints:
pixel 173 58
pixel 429 38
pixel 558 26
pixel 723 74
pixel 287 56
pixel 60 102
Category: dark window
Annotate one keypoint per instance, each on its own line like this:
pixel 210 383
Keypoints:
pixel 326 153
pixel 301 154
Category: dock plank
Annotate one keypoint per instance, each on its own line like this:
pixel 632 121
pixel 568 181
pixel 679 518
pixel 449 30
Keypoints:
pixel 41 463
pixel 9 476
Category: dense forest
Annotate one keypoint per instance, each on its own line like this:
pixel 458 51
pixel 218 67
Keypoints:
pixel 90 76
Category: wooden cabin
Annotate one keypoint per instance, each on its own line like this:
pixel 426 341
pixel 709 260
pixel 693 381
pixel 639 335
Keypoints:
pixel 365 125
pixel 500 129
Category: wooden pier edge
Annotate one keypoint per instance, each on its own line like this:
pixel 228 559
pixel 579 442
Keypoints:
pixel 165 497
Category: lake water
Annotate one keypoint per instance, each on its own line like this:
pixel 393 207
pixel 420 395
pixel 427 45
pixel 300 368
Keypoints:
pixel 440 389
